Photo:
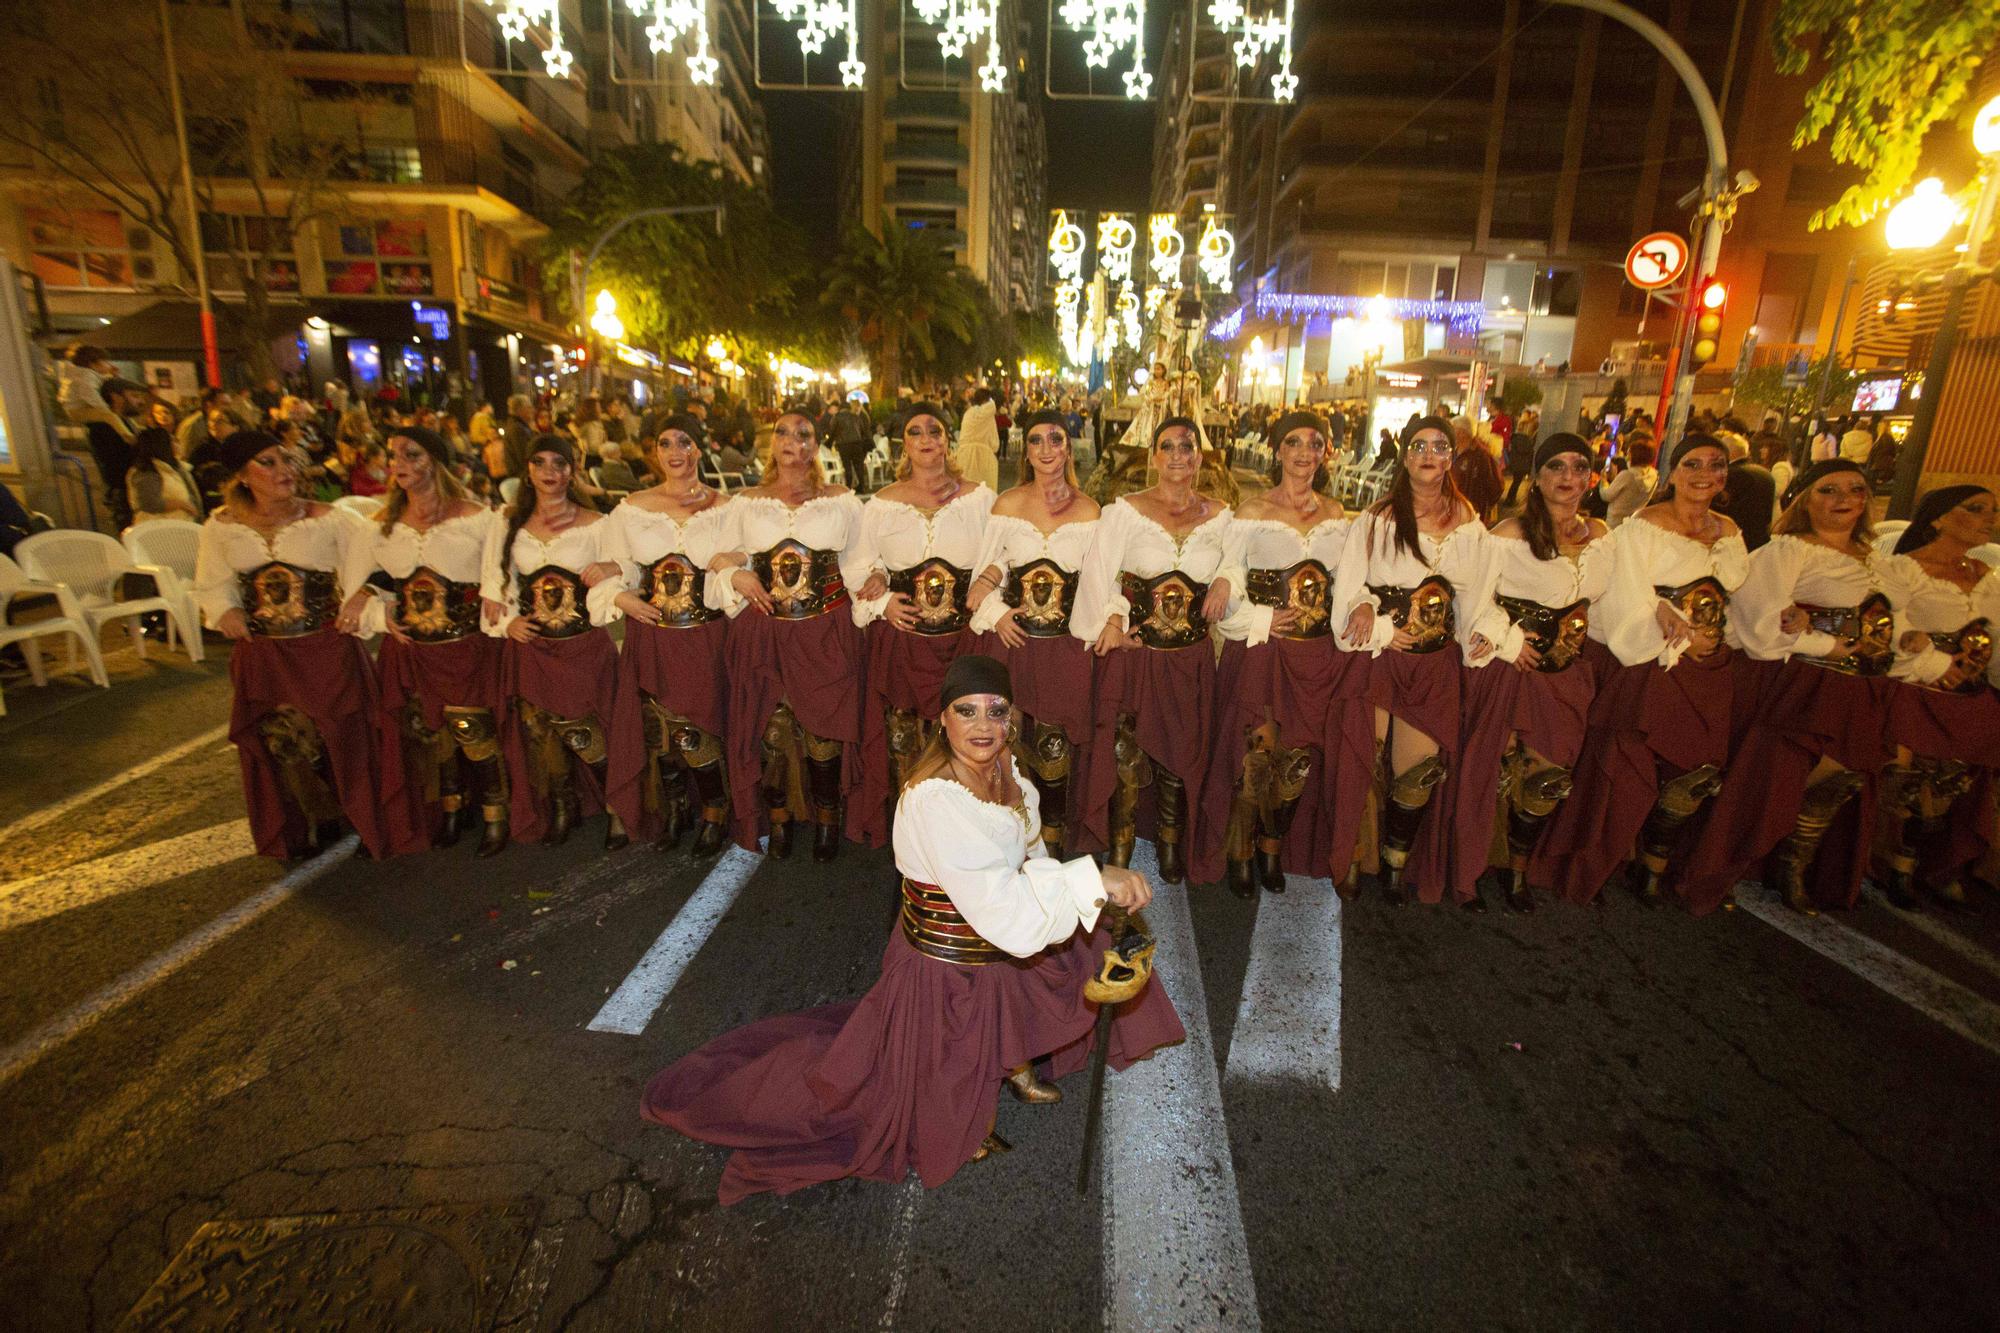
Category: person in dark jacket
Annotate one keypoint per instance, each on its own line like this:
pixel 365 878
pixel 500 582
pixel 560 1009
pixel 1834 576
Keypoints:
pixel 1750 496
pixel 111 445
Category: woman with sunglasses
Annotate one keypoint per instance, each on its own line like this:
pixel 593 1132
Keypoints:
pixel 1944 714
pixel 673 671
pixel 1532 669
pixel 1660 725
pixel 1153 584
pixel 1288 782
pixel 920 541
pixel 1409 561
pixel 1037 536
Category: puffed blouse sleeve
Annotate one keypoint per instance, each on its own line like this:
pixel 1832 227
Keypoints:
pixel 1462 559
pixel 616 547
pixel 1483 615
pixel 861 559
pixel 1768 590
pixel 1350 588
pixel 601 600
pixel 1098 597
pixel 718 593
pixel 214 578
pixel 1624 617
pixel 496 577
pixel 1247 620
pixel 992 555
pixel 1021 906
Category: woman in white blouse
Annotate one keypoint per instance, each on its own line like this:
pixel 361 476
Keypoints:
pixel 795 656
pixel 983 976
pixel 1024 603
pixel 1532 668
pixel 920 542
pixel 673 675
pixel 1660 724
pixel 416 577
pixel 1822 605
pixel 548 586
pixel 1408 562
pixel 1944 715
pixel 267 575
pixel 1295 733
pixel 1152 586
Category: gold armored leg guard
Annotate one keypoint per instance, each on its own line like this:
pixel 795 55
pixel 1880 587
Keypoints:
pixel 1901 788
pixel 1135 770
pixel 1794 856
pixel 1679 799
pixel 1044 751
pixel 584 737
pixel 784 778
pixel 1533 789
pixel 1940 782
pixel 1170 804
pixel 293 741
pixel 433 753
pixel 823 780
pixel 666 781
pixel 477 737
pixel 1246 807
pixel 548 763
pixel 1409 792
pixel 906 734
pixel 1289 771
pixel 700 755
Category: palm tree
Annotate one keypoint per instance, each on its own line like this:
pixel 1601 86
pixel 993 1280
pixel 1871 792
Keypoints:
pixel 899 290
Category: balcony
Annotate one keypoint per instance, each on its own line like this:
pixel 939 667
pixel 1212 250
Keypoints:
pixel 926 192
pixel 927 151
pixel 927 106
pixel 1463 157
pixel 421 162
pixel 530 94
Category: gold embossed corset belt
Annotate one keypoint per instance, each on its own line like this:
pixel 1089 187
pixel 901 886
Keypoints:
pixel 1870 627
pixel 434 609
pixel 285 601
pixel 936 588
pixel 934 928
pixel 1166 609
pixel 1971 645
pixel 1556 632
pixel 1704 604
pixel 674 587
pixel 553 598
pixel 1302 587
pixel 1426 611
pixel 803 582
pixel 1045 594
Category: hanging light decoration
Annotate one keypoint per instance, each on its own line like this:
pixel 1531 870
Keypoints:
pixel 1114 26
pixel 1066 243
pixel 1257 37
pixel 517 17
pixel 1116 238
pixel 673 20
pixel 819 19
pixel 1126 308
pixel 1163 235
pixel 960 23
pixel 1215 250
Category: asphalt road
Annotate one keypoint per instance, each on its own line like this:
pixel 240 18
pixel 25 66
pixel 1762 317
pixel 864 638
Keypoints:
pixel 378 1101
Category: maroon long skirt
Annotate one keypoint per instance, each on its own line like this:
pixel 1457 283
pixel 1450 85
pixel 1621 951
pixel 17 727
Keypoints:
pixel 814 665
pixel 1423 690
pixel 464 673
pixel 905 1078
pixel 1965 727
pixel 327 677
pixel 1171 694
pixel 1804 713
pixel 685 670
pixel 571 678
pixel 1051 679
pixel 905 670
pixel 1641 718
pixel 1318 696
pixel 1547 710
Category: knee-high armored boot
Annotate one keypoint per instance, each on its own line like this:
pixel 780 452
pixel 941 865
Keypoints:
pixel 435 753
pixel 1247 805
pixel 784 775
pixel 1944 781
pixel 293 741
pixel 478 740
pixel 1533 793
pixel 1409 792
pixel 1680 797
pixel 906 734
pixel 1135 770
pixel 661 753
pixel 1794 856
pixel 823 781
pixel 1289 770
pixel 701 755
pixel 584 737
pixel 1045 752
pixel 1170 804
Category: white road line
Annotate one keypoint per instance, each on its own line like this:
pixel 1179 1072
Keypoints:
pixel 1939 931
pixel 35 819
pixel 1288 1022
pixel 906 1217
pixel 115 994
pixel 54 892
pixel 1175 1257
pixel 639 996
pixel 1938 998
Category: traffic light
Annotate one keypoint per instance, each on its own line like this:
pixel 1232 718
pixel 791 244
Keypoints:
pixel 1708 324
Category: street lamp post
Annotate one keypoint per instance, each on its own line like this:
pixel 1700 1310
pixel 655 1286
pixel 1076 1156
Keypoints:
pixel 1913 225
pixel 581 282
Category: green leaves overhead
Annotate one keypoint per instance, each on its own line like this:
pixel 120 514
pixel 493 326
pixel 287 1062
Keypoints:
pixel 901 294
pixel 1890 70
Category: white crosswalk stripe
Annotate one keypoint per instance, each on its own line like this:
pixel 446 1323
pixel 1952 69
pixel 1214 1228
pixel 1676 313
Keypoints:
pixel 645 988
pixel 54 892
pixel 1288 1021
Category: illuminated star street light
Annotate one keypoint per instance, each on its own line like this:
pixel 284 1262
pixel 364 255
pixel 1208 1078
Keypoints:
pixel 1114 26
pixel 673 20
pixel 1255 37
pixel 517 18
pixel 819 19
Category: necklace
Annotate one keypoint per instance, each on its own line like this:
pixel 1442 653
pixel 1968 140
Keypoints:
pixel 992 788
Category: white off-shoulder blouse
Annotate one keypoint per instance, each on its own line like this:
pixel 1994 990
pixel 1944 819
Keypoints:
pixel 897 535
pixel 1269 543
pixel 1011 542
pixel 1513 570
pixel 638 537
pixel 978 852
pixel 1129 542
pixel 575 548
pixel 823 523
pixel 1372 555
pixel 1938 607
pixel 228 548
pixel 455 548
pixel 1647 557
pixel 1787 571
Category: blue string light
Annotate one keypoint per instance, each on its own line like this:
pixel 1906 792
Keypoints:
pixel 1462 317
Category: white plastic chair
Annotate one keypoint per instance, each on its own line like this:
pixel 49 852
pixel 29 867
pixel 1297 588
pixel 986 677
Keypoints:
pixel 15 583
pixel 168 547
pixel 728 481
pixel 509 488
pixel 368 506
pixel 92 565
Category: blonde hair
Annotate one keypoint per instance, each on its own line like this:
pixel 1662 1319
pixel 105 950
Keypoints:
pixel 1026 475
pixel 767 466
pixel 934 759
pixel 395 499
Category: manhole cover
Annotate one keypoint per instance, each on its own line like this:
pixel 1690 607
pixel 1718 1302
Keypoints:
pixel 439 1268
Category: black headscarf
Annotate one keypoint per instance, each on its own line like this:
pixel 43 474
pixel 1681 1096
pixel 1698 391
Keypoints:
pixel 1046 416
pixel 1170 423
pixel 1812 476
pixel 974 674
pixel 244 445
pixel 427 439
pixel 553 443
pixel 921 409
pixel 1436 423
pixel 1923 524
pixel 688 424
pixel 1297 419
pixel 1692 441
pixel 1562 442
